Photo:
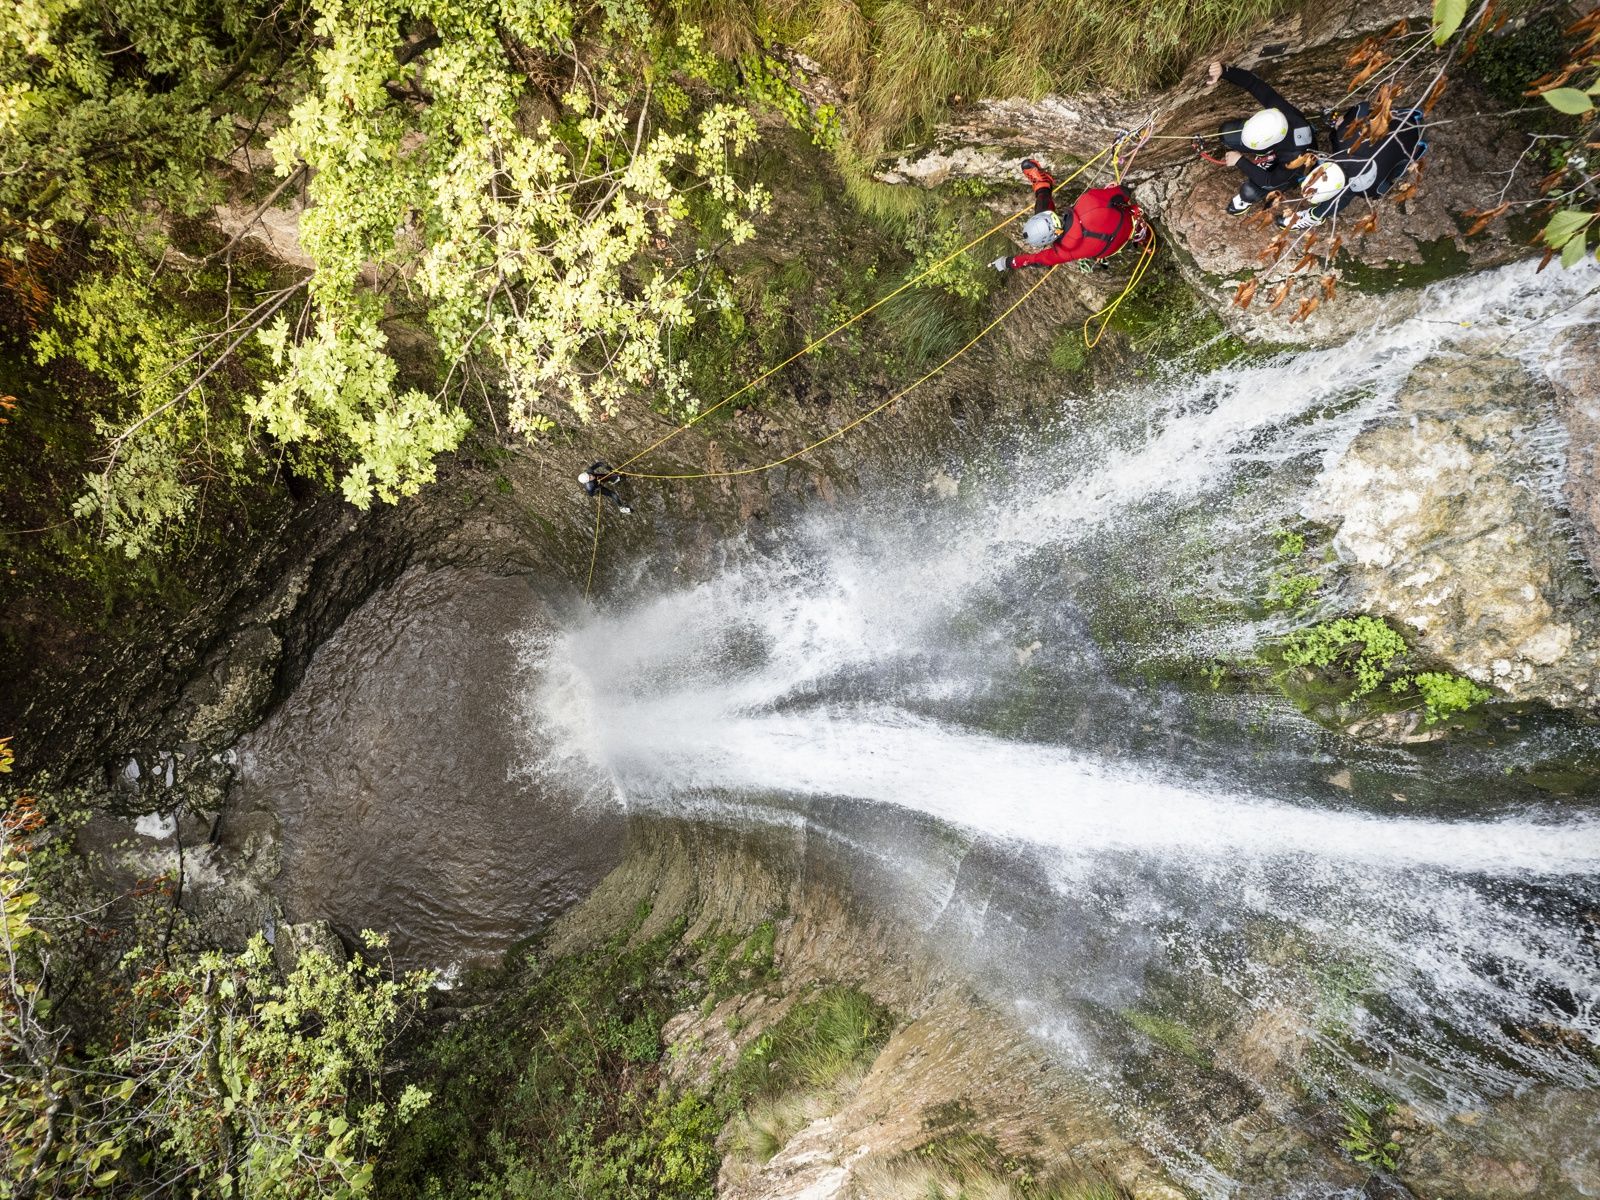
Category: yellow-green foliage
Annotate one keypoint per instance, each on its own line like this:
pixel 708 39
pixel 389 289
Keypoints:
pixel 1445 694
pixel 1369 649
pixel 1365 646
pixel 242 1081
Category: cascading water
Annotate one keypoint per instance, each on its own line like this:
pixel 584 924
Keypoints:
pixel 1148 847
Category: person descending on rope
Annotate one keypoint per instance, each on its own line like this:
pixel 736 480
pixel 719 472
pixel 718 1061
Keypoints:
pixel 594 482
pixel 1265 147
pixel 1101 222
pixel 1359 165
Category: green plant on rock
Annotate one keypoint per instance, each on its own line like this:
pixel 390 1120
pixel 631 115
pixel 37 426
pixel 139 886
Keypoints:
pixel 218 1069
pixel 1365 646
pixel 1446 694
pixel 1367 1138
pixel 1290 588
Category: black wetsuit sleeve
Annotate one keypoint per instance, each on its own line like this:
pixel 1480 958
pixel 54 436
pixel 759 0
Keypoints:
pixel 1268 179
pixel 1263 93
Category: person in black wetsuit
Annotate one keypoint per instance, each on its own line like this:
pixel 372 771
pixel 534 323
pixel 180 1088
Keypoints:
pixel 594 482
pixel 1262 146
pixel 1369 169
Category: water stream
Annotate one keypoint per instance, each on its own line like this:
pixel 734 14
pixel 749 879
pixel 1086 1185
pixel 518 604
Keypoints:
pixel 1108 838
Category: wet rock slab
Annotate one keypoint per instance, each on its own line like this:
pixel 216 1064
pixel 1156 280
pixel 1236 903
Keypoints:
pixel 1449 519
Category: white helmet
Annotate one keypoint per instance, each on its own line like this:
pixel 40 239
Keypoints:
pixel 1324 183
pixel 1267 128
pixel 584 477
pixel 1042 229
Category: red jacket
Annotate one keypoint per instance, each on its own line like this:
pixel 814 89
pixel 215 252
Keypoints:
pixel 1100 223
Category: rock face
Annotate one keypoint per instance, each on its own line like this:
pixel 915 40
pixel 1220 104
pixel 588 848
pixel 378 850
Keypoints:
pixel 1449 526
pixel 1577 380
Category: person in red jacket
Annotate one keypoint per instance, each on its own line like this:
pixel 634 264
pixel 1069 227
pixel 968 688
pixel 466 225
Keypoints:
pixel 1100 223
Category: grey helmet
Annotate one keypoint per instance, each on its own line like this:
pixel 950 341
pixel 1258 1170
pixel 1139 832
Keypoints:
pixel 1042 230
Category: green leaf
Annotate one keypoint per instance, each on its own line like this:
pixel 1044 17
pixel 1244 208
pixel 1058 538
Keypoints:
pixel 1447 18
pixel 1563 226
pixel 105 1178
pixel 1568 100
pixel 1574 250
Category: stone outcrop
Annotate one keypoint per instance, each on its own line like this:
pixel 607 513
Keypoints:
pixel 1449 523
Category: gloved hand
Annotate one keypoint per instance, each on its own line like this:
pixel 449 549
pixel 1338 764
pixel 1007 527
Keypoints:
pixel 1035 174
pixel 1003 263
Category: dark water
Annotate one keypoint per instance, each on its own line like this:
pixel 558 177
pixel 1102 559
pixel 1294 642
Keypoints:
pixel 395 771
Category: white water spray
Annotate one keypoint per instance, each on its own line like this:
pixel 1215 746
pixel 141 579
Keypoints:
pixel 888 661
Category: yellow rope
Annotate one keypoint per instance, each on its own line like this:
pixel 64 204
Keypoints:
pixel 866 416
pixel 1105 314
pixel 842 326
pixel 594 549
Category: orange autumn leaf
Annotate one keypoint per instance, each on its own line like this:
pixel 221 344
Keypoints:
pixel 1279 295
pixel 1328 284
pixel 1246 293
pixel 1367 72
pixel 1307 307
pixel 1364 50
pixel 1434 93
pixel 1482 217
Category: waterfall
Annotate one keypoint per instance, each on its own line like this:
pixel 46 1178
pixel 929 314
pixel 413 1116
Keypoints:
pixel 957 661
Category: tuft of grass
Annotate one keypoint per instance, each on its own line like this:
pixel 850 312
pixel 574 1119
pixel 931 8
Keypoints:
pixel 904 62
pixel 766 1126
pixel 928 326
pixel 1172 1035
pixel 814 1046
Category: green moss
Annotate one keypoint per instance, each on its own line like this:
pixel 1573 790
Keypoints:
pixel 1068 355
pixel 734 962
pixel 1162 320
pixel 1441 259
pixel 1504 65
